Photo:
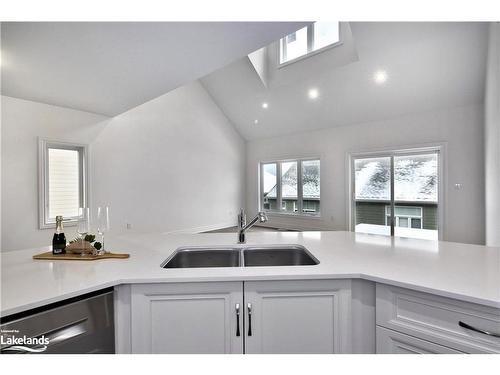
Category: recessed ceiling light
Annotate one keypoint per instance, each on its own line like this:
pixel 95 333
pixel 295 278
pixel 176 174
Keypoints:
pixel 380 77
pixel 265 105
pixel 313 93
pixel 255 122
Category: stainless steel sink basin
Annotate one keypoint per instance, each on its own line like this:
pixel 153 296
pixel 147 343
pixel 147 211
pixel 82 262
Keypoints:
pixel 240 256
pixel 290 255
pixel 196 257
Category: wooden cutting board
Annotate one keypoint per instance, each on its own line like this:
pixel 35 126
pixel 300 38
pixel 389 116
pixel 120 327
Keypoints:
pixel 49 256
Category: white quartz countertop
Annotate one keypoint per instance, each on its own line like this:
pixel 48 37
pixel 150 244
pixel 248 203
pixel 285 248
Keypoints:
pixel 466 272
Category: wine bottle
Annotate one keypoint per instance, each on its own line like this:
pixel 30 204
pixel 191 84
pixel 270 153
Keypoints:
pixel 59 239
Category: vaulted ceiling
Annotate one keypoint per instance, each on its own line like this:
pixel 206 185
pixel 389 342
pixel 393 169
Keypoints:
pixel 110 67
pixel 428 66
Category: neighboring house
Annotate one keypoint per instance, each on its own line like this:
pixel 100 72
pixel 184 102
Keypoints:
pixel 419 215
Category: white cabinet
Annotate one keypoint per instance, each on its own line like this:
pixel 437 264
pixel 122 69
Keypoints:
pixel 309 316
pixel 393 342
pixel 186 318
pixel 297 317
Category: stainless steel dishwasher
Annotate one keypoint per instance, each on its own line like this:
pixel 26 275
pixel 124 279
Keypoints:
pixel 79 325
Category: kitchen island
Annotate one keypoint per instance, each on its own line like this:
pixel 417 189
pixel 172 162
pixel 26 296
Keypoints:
pixel 371 269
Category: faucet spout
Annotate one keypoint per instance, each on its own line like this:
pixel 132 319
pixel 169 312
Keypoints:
pixel 261 217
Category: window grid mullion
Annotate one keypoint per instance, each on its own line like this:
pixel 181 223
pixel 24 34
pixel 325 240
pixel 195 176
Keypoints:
pixel 283 46
pixel 310 38
pixel 261 187
pixel 392 198
pixel 278 185
pixel 299 187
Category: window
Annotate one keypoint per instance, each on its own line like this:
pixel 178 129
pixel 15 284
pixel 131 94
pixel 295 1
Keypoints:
pixel 405 216
pixel 269 186
pixel 291 186
pixel 397 193
pixel 307 40
pixel 62 181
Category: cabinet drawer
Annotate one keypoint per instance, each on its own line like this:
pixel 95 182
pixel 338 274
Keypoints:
pixel 436 319
pixel 392 342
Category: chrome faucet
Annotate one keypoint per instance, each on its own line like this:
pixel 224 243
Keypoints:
pixel 261 217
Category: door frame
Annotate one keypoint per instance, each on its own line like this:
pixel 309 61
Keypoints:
pixel 390 151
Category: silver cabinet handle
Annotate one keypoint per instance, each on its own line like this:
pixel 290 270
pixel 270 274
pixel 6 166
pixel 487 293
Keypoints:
pixel 466 326
pixel 249 309
pixel 237 319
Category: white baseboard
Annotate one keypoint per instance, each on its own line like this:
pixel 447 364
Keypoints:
pixel 275 224
pixel 201 229
pixel 297 225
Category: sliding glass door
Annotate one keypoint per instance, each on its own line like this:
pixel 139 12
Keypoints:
pixel 396 193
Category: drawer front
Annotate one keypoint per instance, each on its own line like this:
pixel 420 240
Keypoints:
pixel 392 342
pixel 436 319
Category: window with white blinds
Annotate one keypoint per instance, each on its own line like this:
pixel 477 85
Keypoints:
pixel 62 181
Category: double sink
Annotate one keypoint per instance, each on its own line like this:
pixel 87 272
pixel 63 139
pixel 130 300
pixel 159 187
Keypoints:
pixel 246 256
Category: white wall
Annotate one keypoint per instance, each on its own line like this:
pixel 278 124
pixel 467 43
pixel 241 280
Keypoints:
pixel 461 128
pixel 22 122
pixel 492 138
pixel 174 163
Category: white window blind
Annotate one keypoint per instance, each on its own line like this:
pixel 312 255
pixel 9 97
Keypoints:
pixel 64 183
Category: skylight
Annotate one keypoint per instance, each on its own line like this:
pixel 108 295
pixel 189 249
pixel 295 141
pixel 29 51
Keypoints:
pixel 308 40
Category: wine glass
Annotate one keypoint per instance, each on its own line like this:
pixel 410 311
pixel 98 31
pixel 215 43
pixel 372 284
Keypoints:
pixel 102 225
pixel 83 224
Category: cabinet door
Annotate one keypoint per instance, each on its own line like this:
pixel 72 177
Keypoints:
pixel 310 316
pixel 392 342
pixel 186 318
